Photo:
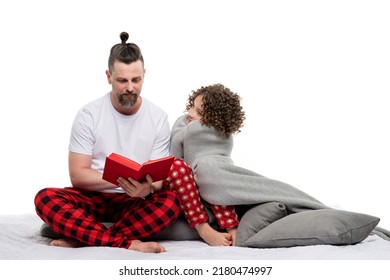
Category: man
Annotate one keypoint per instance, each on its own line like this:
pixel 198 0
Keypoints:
pixel 125 123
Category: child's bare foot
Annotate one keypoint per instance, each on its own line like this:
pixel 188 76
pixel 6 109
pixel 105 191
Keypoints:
pixel 213 237
pixel 65 242
pixel 146 247
pixel 233 232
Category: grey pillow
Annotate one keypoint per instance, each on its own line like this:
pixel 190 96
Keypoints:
pixel 47 231
pixel 315 227
pixel 178 230
pixel 257 218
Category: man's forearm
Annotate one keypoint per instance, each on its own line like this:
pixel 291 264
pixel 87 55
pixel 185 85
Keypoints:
pixel 90 180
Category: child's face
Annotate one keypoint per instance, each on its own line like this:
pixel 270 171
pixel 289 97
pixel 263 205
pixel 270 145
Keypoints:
pixel 194 113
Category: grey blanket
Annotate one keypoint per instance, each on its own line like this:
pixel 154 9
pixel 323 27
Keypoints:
pixel 221 182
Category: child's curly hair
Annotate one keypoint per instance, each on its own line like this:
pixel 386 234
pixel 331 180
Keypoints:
pixel 221 108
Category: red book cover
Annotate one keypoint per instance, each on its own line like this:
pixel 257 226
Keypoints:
pixel 119 166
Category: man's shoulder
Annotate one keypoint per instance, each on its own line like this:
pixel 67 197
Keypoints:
pixel 95 105
pixel 153 108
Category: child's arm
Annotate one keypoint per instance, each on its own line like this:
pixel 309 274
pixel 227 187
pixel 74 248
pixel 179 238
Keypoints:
pixel 177 137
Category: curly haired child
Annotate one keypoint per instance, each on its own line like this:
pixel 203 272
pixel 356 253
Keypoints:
pixel 217 108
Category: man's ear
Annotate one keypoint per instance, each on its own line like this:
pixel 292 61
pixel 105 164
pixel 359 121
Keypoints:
pixel 108 76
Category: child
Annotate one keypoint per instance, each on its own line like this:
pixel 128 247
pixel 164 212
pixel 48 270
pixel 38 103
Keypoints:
pixel 217 108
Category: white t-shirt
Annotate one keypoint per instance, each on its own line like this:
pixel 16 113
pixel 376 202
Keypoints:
pixel 99 130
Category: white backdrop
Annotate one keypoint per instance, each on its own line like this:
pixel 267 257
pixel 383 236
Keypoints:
pixel 313 75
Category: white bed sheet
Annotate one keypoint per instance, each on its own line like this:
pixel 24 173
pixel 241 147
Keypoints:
pixel 20 240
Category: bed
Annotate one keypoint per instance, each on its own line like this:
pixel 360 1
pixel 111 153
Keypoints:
pixel 21 239
pixel 25 253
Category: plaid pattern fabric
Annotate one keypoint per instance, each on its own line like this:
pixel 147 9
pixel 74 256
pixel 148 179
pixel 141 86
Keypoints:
pixel 79 215
pixel 181 181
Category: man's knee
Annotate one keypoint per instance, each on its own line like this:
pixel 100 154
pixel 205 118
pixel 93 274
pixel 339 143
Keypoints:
pixel 171 201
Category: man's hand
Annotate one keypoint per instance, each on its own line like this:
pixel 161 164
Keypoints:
pixel 134 188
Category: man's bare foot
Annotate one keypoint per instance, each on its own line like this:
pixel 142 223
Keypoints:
pixel 136 245
pixel 146 247
pixel 213 237
pixel 65 242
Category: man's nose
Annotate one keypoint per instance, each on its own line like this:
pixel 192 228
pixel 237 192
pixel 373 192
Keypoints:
pixel 130 87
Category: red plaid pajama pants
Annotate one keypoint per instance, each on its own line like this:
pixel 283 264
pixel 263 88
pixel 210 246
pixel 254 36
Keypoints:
pixel 181 181
pixel 76 214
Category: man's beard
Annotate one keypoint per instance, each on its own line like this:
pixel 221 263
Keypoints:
pixel 128 101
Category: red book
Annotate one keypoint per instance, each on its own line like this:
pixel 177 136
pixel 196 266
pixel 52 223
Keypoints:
pixel 119 166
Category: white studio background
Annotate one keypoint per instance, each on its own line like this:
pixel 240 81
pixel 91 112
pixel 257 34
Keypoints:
pixel 313 75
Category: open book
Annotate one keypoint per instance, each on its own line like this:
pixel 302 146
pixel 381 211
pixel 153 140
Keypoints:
pixel 119 166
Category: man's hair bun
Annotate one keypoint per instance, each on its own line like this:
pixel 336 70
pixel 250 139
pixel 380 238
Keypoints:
pixel 124 37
